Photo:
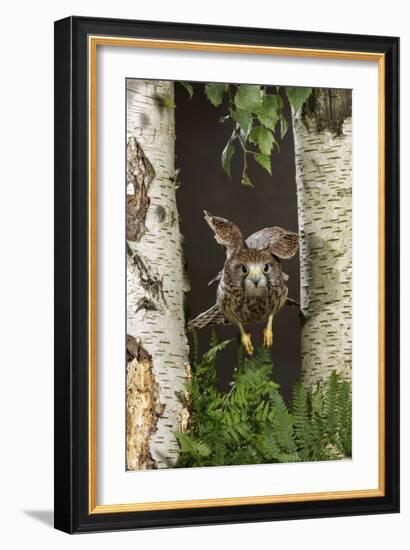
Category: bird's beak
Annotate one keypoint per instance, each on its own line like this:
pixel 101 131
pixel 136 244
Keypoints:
pixel 255 274
pixel 255 280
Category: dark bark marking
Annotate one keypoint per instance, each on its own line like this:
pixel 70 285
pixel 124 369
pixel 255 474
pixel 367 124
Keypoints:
pixel 150 282
pixel 147 304
pixel 140 173
pixel 328 108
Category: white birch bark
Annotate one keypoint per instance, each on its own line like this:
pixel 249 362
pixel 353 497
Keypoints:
pixel 158 352
pixel 324 190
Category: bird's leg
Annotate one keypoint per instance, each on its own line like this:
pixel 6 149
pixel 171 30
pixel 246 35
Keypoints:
pixel 246 340
pixel 268 334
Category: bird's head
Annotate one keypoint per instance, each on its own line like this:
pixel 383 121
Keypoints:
pixel 253 269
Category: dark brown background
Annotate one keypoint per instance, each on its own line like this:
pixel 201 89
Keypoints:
pixel 200 139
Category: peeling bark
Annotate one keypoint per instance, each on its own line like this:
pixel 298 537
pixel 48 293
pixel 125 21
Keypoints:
pixel 323 155
pixel 185 415
pixel 155 315
pixel 143 406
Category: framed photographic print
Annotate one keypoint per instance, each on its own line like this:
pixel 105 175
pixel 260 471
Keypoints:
pixel 226 274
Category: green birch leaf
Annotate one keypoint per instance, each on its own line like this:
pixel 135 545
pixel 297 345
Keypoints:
pixel 283 127
pixel 297 96
pixel 227 155
pixel 248 97
pixel 246 181
pixel 243 118
pixel 263 138
pixel 269 112
pixel 215 93
pixel 264 161
pixel 188 87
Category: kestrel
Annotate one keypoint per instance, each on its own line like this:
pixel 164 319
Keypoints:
pixel 252 287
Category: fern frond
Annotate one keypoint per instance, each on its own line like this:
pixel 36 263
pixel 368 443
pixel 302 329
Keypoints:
pixel 331 403
pixel 268 446
pixel 302 420
pixel 194 347
pixel 191 446
pixel 252 424
pixel 282 422
pixel 210 356
pixel 344 419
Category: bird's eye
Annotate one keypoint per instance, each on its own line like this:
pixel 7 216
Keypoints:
pixel 244 269
pixel 266 268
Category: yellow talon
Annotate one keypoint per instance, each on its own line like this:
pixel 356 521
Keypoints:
pixel 247 342
pixel 268 334
pixel 267 337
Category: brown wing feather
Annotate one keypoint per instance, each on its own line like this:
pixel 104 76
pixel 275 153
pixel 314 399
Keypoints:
pixel 210 317
pixel 226 232
pixel 215 279
pixel 280 242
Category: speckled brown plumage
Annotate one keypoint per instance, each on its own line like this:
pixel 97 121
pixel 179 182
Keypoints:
pixel 252 287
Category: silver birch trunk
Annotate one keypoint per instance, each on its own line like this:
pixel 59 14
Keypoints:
pixel 323 155
pixel 157 348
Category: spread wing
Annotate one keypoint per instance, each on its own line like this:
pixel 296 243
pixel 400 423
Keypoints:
pixel 226 232
pixel 210 317
pixel 283 244
pixel 216 278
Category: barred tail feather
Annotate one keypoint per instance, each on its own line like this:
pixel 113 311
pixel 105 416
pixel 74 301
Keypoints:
pixel 210 317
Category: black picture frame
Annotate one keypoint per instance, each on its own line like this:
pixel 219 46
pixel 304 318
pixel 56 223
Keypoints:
pixel 72 278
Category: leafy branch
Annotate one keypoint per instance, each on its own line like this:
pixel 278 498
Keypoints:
pixel 257 118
